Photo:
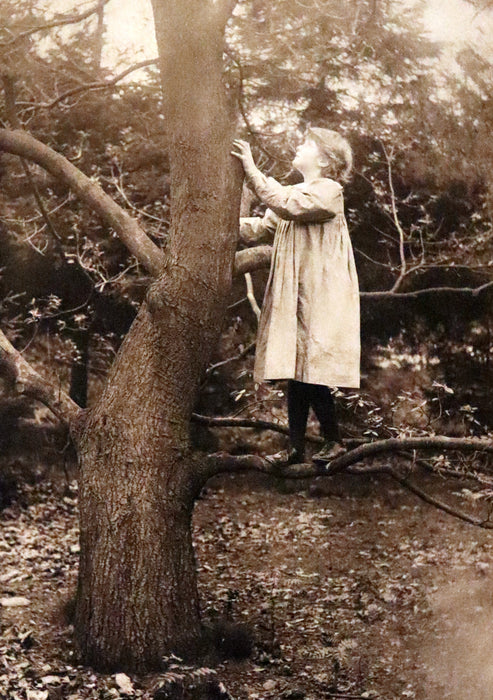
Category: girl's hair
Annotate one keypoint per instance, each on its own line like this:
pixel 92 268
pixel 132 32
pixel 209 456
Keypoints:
pixel 335 150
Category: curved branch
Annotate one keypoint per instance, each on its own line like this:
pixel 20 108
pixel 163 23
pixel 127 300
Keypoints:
pixel 26 381
pixel 439 442
pixel 60 22
pixel 138 243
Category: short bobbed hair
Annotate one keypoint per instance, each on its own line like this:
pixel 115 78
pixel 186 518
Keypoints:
pixel 335 151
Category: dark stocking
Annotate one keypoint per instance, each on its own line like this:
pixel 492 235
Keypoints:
pixel 298 407
pixel 322 402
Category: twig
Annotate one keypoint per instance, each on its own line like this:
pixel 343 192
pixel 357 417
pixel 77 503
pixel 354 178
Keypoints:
pixel 239 356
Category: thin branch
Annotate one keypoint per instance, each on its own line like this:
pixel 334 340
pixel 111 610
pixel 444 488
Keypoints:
pixel 427 498
pixel 216 365
pixel 26 381
pixel 86 87
pixel 126 227
pixel 395 216
pixel 60 22
pixel 241 107
pixel 232 422
pixel 251 296
pixel 388 293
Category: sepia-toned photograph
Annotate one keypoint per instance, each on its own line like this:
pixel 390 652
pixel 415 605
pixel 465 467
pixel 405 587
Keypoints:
pixel 246 350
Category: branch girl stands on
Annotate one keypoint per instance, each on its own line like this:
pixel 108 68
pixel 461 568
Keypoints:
pixel 309 327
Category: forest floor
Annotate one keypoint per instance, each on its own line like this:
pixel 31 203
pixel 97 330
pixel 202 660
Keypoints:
pixel 350 587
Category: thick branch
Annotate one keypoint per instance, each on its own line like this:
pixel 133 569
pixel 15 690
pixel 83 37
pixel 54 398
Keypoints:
pixel 138 243
pixel 59 22
pixel 222 462
pixel 26 381
pixel 252 259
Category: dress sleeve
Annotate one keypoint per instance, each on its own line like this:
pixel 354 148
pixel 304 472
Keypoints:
pixel 253 228
pixel 317 201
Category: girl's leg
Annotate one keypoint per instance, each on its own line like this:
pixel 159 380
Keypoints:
pixel 323 404
pixel 298 407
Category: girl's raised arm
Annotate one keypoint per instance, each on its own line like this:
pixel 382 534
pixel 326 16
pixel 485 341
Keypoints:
pixel 319 200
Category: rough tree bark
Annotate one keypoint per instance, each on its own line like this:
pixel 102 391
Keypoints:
pixel 137 596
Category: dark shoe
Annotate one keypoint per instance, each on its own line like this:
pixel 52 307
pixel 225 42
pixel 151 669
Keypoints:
pixel 286 457
pixel 330 450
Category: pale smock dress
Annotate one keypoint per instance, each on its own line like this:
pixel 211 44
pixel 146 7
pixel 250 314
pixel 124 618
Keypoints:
pixel 309 328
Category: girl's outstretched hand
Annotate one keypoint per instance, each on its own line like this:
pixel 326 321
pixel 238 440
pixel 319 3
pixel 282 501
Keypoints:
pixel 243 151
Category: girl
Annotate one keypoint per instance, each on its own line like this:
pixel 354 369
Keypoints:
pixel 309 326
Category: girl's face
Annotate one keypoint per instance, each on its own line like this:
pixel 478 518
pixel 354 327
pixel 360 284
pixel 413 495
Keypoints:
pixel 307 155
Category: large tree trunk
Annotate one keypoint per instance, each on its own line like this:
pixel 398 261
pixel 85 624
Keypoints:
pixel 137 596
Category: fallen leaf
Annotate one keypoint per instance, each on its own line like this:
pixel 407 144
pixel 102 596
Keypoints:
pixel 14 602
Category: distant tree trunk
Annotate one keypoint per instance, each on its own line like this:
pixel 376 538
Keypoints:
pixel 137 596
pixel 99 37
pixel 79 372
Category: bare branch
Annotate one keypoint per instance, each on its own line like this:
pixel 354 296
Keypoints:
pixel 395 217
pixel 232 422
pixel 252 259
pixel 126 227
pixel 60 22
pixel 26 381
pixel 415 294
pixel 86 87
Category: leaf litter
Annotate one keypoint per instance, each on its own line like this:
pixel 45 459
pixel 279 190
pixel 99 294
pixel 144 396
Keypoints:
pixel 344 595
